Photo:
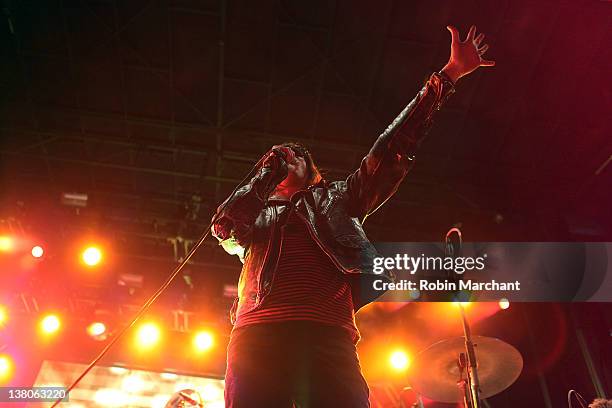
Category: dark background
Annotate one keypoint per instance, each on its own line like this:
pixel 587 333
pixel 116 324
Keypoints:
pixel 156 109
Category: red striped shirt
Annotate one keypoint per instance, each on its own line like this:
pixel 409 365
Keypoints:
pixel 306 285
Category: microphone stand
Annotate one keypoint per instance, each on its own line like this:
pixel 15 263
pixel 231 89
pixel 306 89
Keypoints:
pixel 470 386
pixel 161 289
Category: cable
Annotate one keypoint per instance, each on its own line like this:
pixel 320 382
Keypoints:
pixel 159 291
pixel 583 403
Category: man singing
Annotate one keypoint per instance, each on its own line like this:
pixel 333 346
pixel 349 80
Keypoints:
pixel 308 263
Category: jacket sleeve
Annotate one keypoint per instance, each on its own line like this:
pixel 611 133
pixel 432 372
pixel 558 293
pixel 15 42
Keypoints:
pixel 392 155
pixel 234 219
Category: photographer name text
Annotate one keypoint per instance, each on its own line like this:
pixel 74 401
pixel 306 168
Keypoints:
pixel 446 285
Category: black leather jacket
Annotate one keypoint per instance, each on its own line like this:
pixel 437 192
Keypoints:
pixel 247 224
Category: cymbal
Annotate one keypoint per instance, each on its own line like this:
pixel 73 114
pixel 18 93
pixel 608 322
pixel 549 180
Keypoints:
pixel 435 372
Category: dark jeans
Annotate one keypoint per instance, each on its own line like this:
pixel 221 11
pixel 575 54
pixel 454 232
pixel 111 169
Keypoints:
pixel 274 365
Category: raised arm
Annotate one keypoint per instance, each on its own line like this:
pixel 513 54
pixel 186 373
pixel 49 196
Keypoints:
pixel 393 153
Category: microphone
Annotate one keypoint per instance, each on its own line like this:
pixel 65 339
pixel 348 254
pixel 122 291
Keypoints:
pixel 277 160
pixel 453 242
pixel 278 152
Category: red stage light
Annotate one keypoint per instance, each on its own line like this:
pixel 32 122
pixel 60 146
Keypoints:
pixel 37 251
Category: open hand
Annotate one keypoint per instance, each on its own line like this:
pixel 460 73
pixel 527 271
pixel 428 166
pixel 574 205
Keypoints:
pixel 466 56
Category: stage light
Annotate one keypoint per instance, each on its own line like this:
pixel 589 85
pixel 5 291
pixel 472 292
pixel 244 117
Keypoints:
pixel 399 360
pixel 50 324
pixel 96 329
pixel 3 315
pixel 6 243
pixel 118 370
pixel 91 256
pixel 169 376
pixel 504 303
pixel 6 368
pixel 464 304
pixel 108 397
pixel 37 251
pixel 211 392
pixel 133 383
pixel 148 335
pixel 203 341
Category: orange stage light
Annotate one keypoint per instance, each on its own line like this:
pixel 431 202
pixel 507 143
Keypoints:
pixel 464 304
pixel 96 329
pixel 3 315
pixel 504 303
pixel 6 368
pixel 50 324
pixel 37 251
pixel 148 335
pixel 399 360
pixel 203 341
pixel 6 243
pixel 109 397
pixel 133 383
pixel 91 256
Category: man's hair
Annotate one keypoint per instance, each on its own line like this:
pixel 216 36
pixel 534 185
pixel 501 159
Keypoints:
pixel 314 174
